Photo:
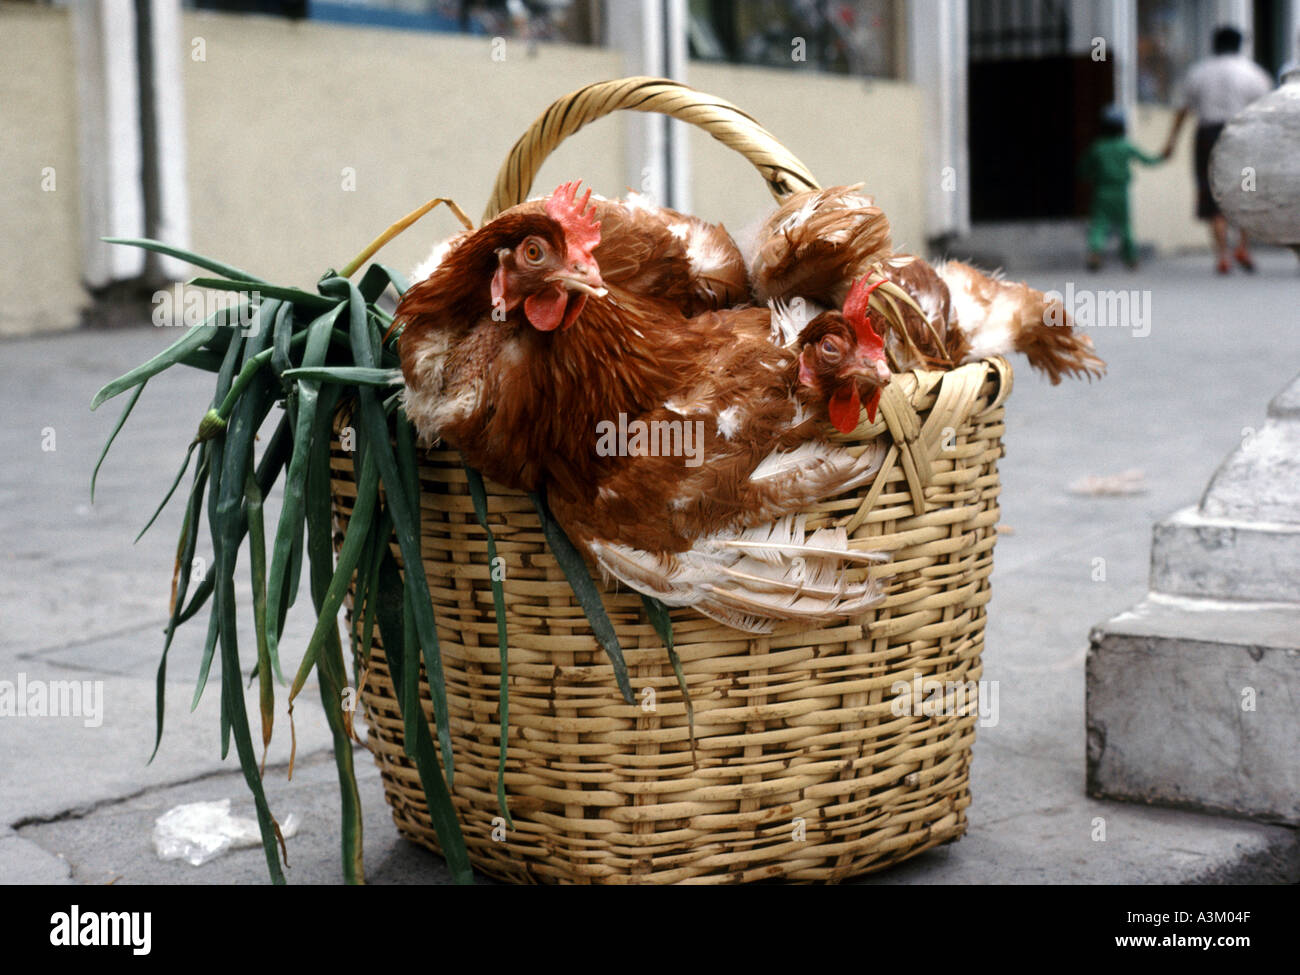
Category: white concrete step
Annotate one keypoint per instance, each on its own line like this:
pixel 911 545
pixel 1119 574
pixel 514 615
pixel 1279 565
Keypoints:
pixel 1196 703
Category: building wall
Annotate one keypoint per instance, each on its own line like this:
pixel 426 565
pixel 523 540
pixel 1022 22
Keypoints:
pixel 1163 197
pixel 40 288
pixel 845 130
pixel 278 111
pixel 411 132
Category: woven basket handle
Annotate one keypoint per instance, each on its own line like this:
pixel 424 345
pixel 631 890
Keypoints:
pixel 783 173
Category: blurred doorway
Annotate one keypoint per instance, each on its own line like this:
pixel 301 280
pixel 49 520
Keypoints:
pixel 1275 43
pixel 1033 108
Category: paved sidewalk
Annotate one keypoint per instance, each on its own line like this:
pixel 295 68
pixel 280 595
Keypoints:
pixel 79 601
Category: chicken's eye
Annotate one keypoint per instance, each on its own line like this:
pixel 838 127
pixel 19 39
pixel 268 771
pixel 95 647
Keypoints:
pixel 830 349
pixel 533 252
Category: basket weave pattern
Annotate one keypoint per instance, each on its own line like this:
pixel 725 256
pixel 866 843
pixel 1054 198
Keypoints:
pixel 802 769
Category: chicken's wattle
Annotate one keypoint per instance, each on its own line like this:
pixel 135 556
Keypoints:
pixel 555 307
pixel 872 403
pixel 846 406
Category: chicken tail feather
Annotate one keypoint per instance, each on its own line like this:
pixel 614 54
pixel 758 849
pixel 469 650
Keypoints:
pixel 1001 317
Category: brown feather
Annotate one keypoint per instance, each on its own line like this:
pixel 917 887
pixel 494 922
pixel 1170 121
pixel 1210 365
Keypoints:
pixel 1001 317
pixel 650 250
pixel 913 340
pixel 817 244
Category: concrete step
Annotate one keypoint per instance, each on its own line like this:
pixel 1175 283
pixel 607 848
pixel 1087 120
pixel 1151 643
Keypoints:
pixel 1193 703
pixel 1193 554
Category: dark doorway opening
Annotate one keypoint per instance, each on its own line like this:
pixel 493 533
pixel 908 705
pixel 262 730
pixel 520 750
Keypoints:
pixel 1273 43
pixel 1030 122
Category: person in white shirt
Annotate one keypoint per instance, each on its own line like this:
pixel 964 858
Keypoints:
pixel 1215 90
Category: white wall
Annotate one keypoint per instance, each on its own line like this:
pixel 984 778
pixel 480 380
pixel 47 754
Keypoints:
pixel 845 130
pixel 279 110
pixel 275 112
pixel 40 286
pixel 1163 197
pixel 448 114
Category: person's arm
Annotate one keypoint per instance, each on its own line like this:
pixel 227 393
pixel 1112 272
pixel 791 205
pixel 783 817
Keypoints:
pixel 1186 106
pixel 1143 158
pixel 1179 119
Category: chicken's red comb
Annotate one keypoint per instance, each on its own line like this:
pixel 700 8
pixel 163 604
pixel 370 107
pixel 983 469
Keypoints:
pixel 856 312
pixel 581 228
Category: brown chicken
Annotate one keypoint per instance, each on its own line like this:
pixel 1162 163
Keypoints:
pixel 530 330
pixel 698 503
pixel 524 352
pixel 818 243
pixel 649 250
pixel 835 346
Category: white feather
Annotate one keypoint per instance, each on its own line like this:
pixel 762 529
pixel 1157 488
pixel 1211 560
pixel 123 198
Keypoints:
pixel 818 470
pixel 856 201
pixel 435 259
pixel 754 578
pixel 809 455
pixel 990 328
pixel 686 409
pixel 729 422
pixel 800 216
pixel 706 256
pixel 430 414
pixel 639 201
pixel 789 319
pixel 455 408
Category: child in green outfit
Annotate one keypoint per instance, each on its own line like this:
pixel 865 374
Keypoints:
pixel 1106 166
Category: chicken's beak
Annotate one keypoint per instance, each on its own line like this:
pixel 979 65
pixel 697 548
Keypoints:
pixel 581 277
pixel 871 368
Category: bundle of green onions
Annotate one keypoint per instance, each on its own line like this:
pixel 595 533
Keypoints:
pixel 311 354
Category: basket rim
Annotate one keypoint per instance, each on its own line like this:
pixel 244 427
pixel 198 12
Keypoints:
pixel 781 170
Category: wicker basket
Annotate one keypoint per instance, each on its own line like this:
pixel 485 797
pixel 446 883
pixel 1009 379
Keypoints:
pixel 802 766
